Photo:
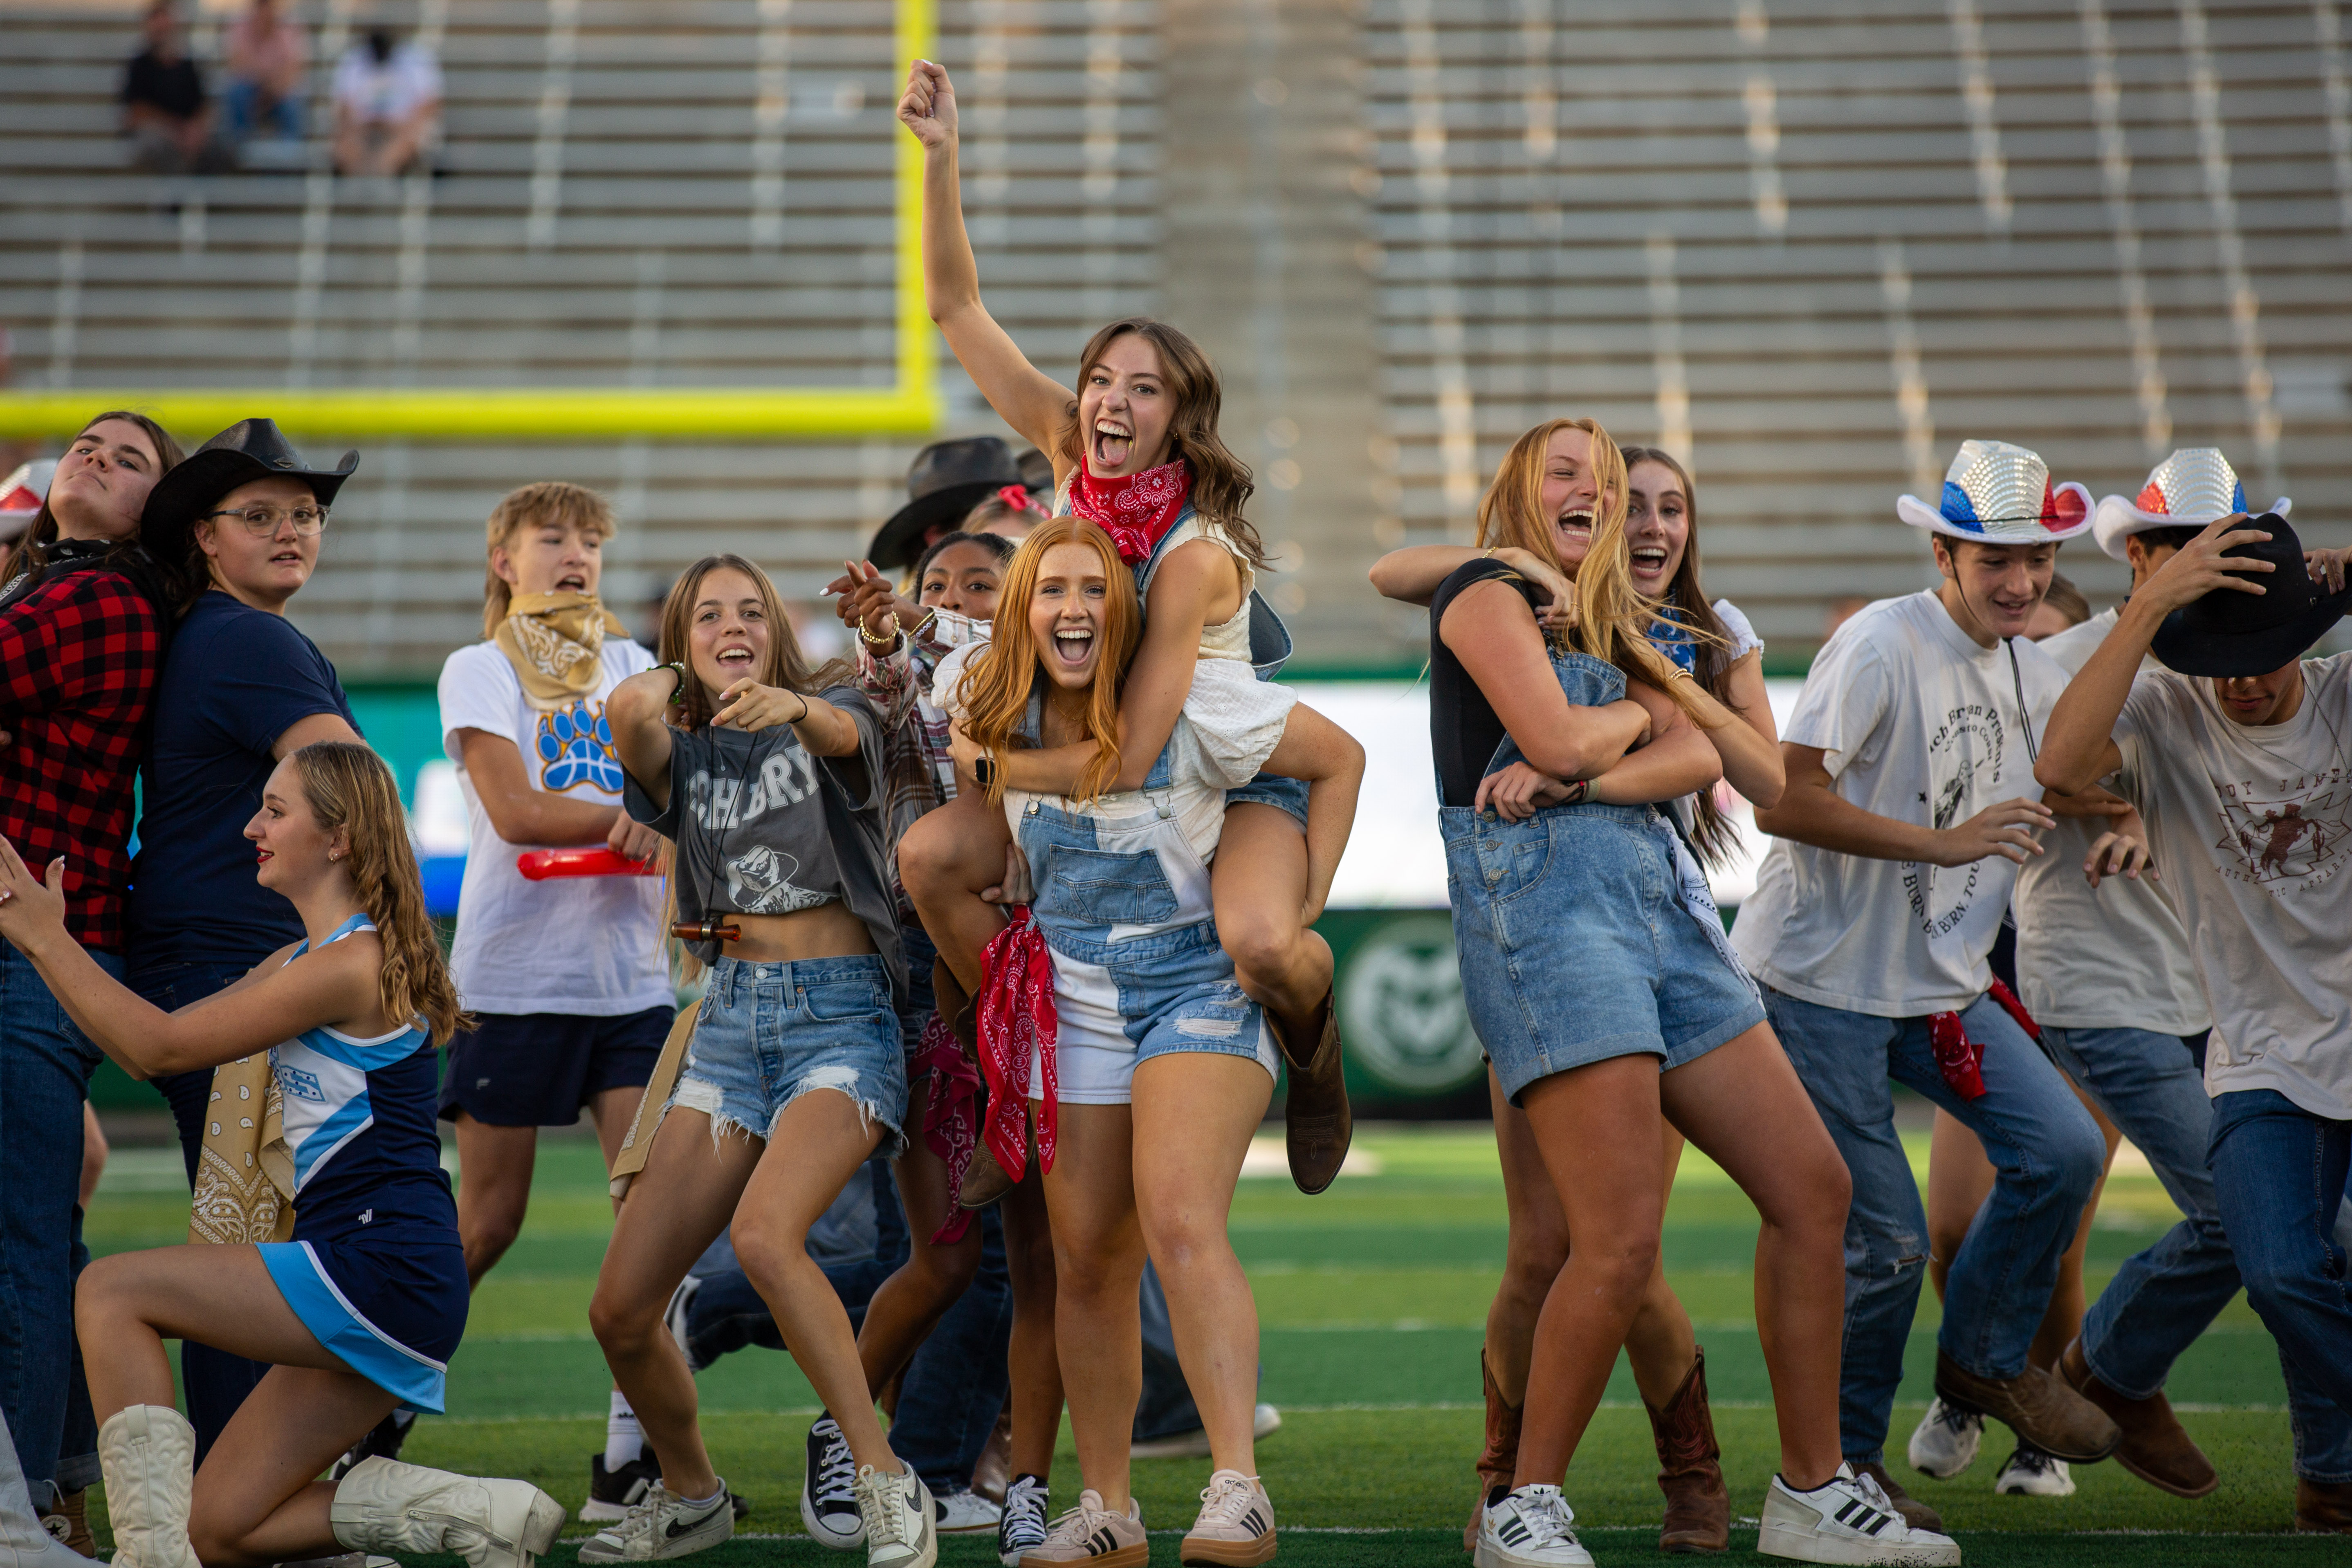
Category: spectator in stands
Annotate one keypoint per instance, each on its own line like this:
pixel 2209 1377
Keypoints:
pixel 387 105
pixel 268 57
pixel 82 631
pixel 165 111
pixel 241 689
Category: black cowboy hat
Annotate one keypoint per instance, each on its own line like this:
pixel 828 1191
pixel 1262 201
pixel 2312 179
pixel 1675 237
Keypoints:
pixel 2228 633
pixel 946 481
pixel 247 450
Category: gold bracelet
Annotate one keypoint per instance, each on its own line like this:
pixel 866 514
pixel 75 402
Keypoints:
pixel 870 640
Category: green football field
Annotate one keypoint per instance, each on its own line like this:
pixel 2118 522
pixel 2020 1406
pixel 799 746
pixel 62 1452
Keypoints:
pixel 1372 1298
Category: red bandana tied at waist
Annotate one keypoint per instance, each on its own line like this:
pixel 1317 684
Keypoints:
pixel 1961 1059
pixel 952 1118
pixel 1135 510
pixel 1016 1017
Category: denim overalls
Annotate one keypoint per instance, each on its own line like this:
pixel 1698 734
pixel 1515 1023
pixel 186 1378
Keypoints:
pixel 1138 972
pixel 1576 929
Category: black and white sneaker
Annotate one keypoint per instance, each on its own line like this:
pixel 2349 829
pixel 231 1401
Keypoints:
pixel 1529 1528
pixel 1847 1520
pixel 1021 1527
pixel 383 1442
pixel 660 1525
pixel 2030 1472
pixel 901 1531
pixel 829 1490
pixel 1944 1442
pixel 612 1493
pixel 964 1511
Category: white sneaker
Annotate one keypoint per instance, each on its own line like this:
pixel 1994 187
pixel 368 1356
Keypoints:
pixel 829 1508
pixel 1530 1529
pixel 2032 1473
pixel 896 1507
pixel 1944 1442
pixel 660 1525
pixel 1848 1519
pixel 1021 1529
pixel 681 1302
pixel 1235 1528
pixel 1265 1421
pixel 964 1511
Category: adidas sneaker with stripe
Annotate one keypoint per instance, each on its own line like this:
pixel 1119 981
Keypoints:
pixel 1846 1520
pixel 1529 1528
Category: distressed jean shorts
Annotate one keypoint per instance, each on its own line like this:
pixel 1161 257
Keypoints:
pixel 769 1033
pixel 1576 945
pixel 1149 996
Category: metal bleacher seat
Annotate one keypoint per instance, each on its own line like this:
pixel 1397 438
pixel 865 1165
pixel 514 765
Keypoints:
pixel 1812 243
pixel 649 193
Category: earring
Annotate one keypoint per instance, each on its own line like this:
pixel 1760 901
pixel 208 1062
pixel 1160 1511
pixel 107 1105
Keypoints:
pixel 334 854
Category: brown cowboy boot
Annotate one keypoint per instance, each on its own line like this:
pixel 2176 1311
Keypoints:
pixel 1316 1119
pixel 984 1181
pixel 2155 1447
pixel 1690 1469
pixel 1500 1459
pixel 2040 1408
pixel 2323 1505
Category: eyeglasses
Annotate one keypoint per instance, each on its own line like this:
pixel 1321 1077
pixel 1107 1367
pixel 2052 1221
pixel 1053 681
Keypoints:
pixel 261 521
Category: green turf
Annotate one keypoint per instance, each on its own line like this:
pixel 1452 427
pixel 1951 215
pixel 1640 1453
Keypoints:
pixel 1372 1297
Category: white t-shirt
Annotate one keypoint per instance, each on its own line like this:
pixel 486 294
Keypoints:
pixel 588 946
pixel 392 90
pixel 2113 957
pixel 1918 723
pixel 2253 829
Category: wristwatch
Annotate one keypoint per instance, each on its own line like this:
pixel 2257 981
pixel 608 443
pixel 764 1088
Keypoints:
pixel 984 771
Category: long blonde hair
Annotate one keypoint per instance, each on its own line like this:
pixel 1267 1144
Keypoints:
pixel 1221 482
pixel 549 500
pixel 349 787
pixel 1000 676
pixel 1613 616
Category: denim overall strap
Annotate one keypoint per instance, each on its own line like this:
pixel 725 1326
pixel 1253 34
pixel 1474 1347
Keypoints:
pixel 1270 644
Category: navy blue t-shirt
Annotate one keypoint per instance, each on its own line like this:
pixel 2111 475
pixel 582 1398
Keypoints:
pixel 235 680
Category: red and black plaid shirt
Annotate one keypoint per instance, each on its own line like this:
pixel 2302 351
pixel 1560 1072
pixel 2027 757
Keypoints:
pixel 80 656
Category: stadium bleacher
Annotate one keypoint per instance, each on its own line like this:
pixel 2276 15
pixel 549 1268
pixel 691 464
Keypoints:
pixel 1812 242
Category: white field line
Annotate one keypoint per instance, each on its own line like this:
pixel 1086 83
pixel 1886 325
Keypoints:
pixel 1290 1410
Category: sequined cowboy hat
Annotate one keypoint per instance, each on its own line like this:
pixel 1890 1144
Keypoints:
pixel 1999 494
pixel 2192 488
pixel 947 479
pixel 2228 633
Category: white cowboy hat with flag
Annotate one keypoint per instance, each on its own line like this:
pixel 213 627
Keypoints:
pixel 2193 488
pixel 1996 493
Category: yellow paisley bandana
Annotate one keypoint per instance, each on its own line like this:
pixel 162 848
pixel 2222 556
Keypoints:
pixel 556 644
pixel 245 1172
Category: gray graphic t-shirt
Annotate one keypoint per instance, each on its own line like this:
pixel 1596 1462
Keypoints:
pixel 765 826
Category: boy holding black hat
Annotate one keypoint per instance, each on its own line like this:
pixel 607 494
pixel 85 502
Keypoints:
pixel 2239 756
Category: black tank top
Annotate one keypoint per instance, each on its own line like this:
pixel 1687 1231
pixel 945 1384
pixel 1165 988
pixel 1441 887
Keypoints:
pixel 1462 729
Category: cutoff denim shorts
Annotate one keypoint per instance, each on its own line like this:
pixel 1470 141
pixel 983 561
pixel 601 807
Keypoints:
pixel 1575 946
pixel 769 1033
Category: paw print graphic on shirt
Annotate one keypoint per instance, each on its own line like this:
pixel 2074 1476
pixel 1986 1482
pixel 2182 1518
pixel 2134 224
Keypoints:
pixel 575 747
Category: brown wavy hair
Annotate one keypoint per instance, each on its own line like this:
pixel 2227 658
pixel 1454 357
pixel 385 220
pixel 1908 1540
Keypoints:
pixel 349 787
pixel 1716 837
pixel 549 500
pixel 786 666
pixel 999 679
pixel 1221 482
pixel 32 557
pixel 1613 616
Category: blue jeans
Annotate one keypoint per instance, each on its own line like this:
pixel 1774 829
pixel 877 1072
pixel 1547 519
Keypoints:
pixel 2046 1153
pixel 215 1381
pixel 2279 1172
pixel 246 115
pixel 46 1062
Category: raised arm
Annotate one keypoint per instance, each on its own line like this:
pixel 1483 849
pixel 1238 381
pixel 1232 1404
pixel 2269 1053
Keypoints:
pixel 1025 397
pixel 2079 748
pixel 1490 629
pixel 1333 763
pixel 1413 574
pixel 823 729
pixel 638 712
pixel 336 985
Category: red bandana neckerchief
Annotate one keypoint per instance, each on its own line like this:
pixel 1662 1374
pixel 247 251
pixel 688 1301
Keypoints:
pixel 952 1118
pixel 1961 1059
pixel 1135 510
pixel 1017 1018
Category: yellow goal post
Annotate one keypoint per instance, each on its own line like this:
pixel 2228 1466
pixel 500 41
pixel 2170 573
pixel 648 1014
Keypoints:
pixel 910 406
